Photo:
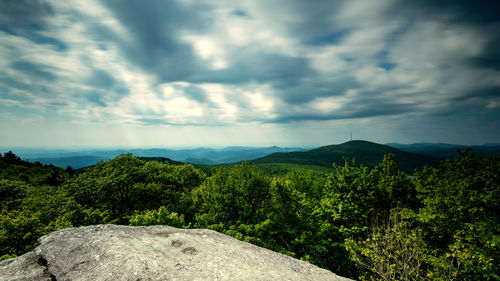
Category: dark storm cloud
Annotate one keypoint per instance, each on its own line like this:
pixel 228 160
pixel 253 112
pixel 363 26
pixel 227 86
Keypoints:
pixel 30 78
pixel 482 14
pixel 46 40
pixel 94 97
pixel 106 88
pixel 27 18
pixel 491 55
pixel 355 109
pixel 101 79
pixel 461 110
pixel 482 94
pixel 360 112
pixel 155 45
pixel 34 70
pixel 24 13
pixel 310 90
pixel 36 37
pixel 370 107
pixel 314 20
pixel 13 83
pixel 8 91
pixel 102 35
pixel 251 66
pixel 283 71
pixel 461 11
pixel 194 93
pixel 483 17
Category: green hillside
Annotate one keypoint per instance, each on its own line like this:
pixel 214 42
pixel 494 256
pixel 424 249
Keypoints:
pixel 366 153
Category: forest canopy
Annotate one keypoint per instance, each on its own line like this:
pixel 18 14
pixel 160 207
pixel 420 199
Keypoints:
pixel 377 223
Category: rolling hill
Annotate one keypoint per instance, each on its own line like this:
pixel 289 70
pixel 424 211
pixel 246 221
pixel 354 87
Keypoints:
pixel 366 153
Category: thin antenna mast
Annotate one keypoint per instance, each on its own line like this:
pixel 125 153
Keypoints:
pixel 351 135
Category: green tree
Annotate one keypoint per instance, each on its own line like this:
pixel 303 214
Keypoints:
pixel 240 196
pixel 126 184
pixel 19 230
pixel 395 186
pixel 290 225
pixel 461 203
pixel 348 204
pixel 162 216
pixel 394 251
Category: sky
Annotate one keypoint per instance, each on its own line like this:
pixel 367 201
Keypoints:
pixel 192 73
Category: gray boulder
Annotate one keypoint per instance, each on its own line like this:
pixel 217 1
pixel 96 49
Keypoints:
pixel 115 252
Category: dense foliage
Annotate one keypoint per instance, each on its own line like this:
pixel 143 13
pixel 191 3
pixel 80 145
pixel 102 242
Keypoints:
pixel 367 223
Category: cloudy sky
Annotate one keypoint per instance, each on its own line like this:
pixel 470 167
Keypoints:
pixel 252 72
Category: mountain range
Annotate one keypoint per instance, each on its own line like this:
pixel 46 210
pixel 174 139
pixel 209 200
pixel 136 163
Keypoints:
pixel 446 150
pixel 411 156
pixel 206 156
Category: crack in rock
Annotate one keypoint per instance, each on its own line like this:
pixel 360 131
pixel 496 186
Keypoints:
pixel 43 262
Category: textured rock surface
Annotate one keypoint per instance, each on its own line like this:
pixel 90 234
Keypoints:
pixel 112 252
pixel 24 268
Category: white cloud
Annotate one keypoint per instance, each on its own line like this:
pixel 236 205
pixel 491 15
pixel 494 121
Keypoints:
pixel 209 49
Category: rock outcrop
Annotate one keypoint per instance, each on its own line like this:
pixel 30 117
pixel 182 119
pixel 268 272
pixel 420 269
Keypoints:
pixel 114 252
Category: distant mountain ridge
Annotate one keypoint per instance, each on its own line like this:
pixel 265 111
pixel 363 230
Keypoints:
pixel 207 156
pixel 446 150
pixel 427 146
pixel 365 152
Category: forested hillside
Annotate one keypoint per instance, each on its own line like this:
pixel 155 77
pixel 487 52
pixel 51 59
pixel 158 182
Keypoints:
pixel 366 153
pixel 368 223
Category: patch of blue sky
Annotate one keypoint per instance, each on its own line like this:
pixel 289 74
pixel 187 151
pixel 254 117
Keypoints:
pixel 387 65
pixel 326 39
